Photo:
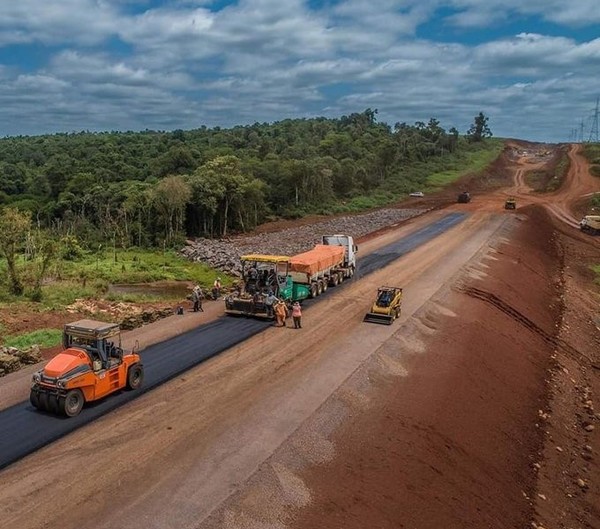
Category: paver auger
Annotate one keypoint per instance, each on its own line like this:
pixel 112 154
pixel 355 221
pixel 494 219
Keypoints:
pixel 386 307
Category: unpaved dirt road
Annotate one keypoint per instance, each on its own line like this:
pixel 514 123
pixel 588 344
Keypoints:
pixel 429 422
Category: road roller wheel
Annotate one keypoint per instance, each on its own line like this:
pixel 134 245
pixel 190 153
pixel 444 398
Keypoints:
pixel 72 403
pixel 135 377
pixel 34 398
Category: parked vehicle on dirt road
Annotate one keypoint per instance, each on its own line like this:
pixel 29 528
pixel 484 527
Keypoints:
pixel 464 197
pixel 387 306
pixel 91 366
pixel 590 224
pixel 510 203
pixel 303 276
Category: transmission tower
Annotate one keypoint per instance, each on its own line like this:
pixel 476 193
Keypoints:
pixel 594 129
pixel 581 132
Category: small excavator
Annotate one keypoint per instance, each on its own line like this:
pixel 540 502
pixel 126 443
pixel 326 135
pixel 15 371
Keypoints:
pixel 510 203
pixel 387 306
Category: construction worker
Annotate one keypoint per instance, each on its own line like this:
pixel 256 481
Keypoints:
pixel 270 300
pixel 281 312
pixel 297 315
pixel 216 291
pixel 197 296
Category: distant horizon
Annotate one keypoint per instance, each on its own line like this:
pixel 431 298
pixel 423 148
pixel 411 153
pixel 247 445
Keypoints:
pixel 69 66
pixel 164 131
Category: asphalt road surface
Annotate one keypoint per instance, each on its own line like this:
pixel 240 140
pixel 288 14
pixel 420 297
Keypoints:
pixel 24 430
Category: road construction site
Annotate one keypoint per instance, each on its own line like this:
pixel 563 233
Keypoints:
pixel 430 421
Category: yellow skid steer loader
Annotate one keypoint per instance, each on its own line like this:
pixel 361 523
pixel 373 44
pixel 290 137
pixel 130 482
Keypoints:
pixel 386 307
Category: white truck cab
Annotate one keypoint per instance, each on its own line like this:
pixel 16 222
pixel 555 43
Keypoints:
pixel 347 242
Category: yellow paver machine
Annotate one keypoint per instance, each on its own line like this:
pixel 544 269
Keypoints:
pixel 386 307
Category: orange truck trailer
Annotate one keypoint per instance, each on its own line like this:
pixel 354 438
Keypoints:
pixel 306 275
pixel 91 366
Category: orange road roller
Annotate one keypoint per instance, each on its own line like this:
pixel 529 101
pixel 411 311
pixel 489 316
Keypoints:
pixel 91 366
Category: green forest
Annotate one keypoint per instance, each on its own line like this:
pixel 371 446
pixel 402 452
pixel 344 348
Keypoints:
pixel 89 209
pixel 152 188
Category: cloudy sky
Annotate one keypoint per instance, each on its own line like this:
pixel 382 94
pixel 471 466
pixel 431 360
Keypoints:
pixel 532 66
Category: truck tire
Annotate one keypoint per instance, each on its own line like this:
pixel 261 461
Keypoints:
pixel 340 278
pixel 319 287
pixel 135 376
pixel 325 285
pixel 72 403
pixel 314 291
pixel 334 279
pixel 351 272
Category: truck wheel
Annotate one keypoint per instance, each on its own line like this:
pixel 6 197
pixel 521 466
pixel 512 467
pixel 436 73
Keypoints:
pixel 135 376
pixel 319 288
pixel 351 271
pixel 325 285
pixel 34 398
pixel 335 280
pixel 340 278
pixel 313 290
pixel 72 403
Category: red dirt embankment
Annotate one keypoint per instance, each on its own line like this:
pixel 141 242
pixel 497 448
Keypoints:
pixel 454 443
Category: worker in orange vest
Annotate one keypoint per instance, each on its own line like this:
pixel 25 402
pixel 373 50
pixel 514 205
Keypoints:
pixel 281 312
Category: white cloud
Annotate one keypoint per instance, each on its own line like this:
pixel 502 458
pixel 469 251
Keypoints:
pixel 54 21
pixel 482 13
pixel 122 64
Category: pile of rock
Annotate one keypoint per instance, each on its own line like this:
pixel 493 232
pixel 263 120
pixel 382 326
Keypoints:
pixel 146 316
pixel 224 254
pixel 13 359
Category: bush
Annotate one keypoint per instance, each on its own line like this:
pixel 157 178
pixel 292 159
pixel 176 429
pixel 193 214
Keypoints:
pixel 70 249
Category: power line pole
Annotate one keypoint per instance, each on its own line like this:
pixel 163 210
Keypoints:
pixel 594 128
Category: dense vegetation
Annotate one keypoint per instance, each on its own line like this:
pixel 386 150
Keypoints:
pixel 146 188
pixel 81 208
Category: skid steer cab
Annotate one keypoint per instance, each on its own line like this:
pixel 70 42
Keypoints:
pixel 386 307
pixel 91 366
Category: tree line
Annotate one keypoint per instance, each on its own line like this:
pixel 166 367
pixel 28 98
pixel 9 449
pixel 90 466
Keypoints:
pixel 154 188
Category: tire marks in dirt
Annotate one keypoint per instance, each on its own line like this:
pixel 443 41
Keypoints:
pixel 510 311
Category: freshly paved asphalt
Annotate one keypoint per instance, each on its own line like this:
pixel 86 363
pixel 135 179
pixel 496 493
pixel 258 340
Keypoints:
pixel 24 429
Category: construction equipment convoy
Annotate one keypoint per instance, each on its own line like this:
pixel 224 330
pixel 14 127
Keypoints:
pixel 306 275
pixel 590 224
pixel 91 366
pixel 386 307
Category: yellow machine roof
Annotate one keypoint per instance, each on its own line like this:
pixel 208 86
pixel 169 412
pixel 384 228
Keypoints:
pixel 260 258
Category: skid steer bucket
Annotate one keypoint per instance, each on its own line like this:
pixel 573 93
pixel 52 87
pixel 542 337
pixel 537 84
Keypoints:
pixel 386 319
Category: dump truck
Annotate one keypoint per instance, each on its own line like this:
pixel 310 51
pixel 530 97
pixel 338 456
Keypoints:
pixel 464 197
pixel 590 224
pixel 296 278
pixel 91 366
pixel 386 307
pixel 510 203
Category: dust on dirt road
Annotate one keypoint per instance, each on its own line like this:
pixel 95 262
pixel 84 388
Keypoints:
pixel 450 418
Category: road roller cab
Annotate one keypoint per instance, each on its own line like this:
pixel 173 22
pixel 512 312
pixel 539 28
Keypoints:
pixel 91 366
